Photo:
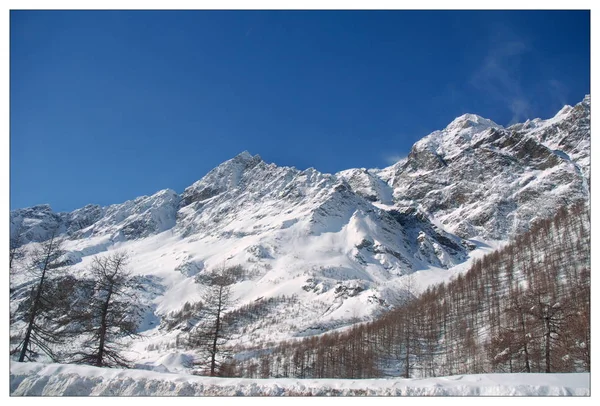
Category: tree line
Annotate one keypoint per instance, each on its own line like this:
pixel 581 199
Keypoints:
pixel 522 308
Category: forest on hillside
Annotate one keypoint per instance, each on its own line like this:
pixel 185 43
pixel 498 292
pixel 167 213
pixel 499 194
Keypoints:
pixel 523 308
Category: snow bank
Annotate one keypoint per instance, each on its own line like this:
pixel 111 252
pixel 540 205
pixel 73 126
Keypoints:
pixel 34 379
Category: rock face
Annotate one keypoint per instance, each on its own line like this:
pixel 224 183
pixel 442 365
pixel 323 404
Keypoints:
pixel 36 223
pixel 479 179
pixel 133 219
pixel 348 237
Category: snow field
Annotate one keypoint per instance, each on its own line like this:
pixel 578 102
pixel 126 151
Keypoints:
pixel 34 379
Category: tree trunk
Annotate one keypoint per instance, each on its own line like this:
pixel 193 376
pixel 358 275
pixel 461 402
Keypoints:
pixel 547 349
pixel 36 304
pixel 525 350
pixel 103 329
pixel 213 354
pixel 407 356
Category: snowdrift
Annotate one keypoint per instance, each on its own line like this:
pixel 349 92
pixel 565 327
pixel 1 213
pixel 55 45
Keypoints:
pixel 35 379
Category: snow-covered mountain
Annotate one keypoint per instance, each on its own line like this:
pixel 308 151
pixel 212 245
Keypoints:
pixel 479 179
pixel 341 244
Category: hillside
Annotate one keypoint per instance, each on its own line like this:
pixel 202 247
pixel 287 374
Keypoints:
pixel 523 308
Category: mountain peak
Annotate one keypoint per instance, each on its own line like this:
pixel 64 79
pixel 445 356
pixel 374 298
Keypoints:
pixel 564 111
pixel 224 177
pixel 471 120
pixel 246 156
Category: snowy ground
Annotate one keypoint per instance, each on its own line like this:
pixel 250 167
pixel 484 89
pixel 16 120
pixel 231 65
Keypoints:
pixel 34 379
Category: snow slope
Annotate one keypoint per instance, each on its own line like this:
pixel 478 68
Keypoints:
pixel 33 379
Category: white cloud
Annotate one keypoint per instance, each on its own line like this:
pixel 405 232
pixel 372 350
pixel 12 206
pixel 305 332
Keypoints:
pixel 392 158
pixel 558 91
pixel 498 75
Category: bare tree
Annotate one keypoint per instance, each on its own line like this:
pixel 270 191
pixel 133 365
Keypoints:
pixel 111 315
pixel 213 332
pixel 44 328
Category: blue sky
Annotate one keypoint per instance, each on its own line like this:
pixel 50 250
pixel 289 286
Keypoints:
pixel 106 106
